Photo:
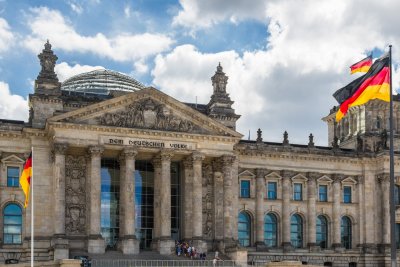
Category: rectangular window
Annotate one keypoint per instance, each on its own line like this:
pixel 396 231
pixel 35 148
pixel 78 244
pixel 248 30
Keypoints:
pixel 323 193
pixel 347 194
pixel 12 176
pixel 245 189
pixel 298 192
pixel 272 190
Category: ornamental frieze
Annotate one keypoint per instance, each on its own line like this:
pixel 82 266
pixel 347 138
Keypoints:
pixel 148 114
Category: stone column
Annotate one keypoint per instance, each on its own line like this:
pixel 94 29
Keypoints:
pixel 311 212
pixel 197 202
pixel 227 161
pixel 235 205
pixel 157 215
pixel 260 195
pixel 187 192
pixel 286 190
pixel 385 187
pixel 96 243
pixel 336 240
pixel 60 243
pixel 166 243
pixel 130 245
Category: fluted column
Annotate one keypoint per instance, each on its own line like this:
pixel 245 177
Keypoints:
pixel 286 189
pixel 157 215
pixel 336 242
pixel 260 195
pixel 385 187
pixel 166 244
pixel 187 198
pixel 60 244
pixel 59 188
pixel 197 195
pixel 130 244
pixel 311 211
pixel 227 161
pixel 96 242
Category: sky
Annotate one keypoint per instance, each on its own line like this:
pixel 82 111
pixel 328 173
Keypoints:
pixel 284 58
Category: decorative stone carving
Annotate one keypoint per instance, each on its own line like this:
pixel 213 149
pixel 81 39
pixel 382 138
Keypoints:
pixel 75 192
pixel 147 114
pixel 208 199
pixel 60 148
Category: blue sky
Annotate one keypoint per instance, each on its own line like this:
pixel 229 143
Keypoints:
pixel 284 58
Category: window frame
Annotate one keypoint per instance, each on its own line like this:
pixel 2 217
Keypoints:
pixel 274 232
pixel 16 178
pixel 294 191
pixel 300 233
pixel 348 194
pixel 275 190
pixel 20 226
pixel 322 233
pixel 319 193
pixel 249 188
pixel 347 244
pixel 248 230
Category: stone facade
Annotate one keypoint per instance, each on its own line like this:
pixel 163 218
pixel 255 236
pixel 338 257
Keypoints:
pixel 230 189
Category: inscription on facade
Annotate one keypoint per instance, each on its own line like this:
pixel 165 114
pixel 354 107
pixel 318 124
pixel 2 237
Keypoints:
pixel 147 143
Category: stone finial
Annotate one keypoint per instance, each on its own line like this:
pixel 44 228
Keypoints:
pixel 285 138
pixel 47 81
pixel 259 136
pixel 311 141
pixel 335 142
pixel 219 81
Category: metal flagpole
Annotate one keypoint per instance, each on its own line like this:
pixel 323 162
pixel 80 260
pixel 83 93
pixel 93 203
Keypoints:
pixel 32 212
pixel 393 245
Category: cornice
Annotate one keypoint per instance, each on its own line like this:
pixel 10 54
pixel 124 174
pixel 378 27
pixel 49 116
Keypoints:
pixel 144 132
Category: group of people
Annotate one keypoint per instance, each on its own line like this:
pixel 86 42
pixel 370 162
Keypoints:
pixel 184 248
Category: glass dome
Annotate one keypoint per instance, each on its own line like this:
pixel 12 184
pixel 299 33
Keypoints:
pixel 101 82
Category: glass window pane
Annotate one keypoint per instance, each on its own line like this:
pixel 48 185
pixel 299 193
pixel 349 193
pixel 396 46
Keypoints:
pixel 323 193
pixel 244 229
pixel 272 190
pixel 12 224
pixel 347 194
pixel 297 191
pixel 296 231
pixel 270 230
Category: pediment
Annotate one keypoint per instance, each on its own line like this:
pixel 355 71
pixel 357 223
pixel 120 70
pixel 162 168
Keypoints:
pixel 12 159
pixel 349 181
pixel 325 179
pixel 146 109
pixel 273 175
pixel 299 178
pixel 247 173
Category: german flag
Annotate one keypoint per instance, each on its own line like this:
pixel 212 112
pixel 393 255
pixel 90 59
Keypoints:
pixel 375 84
pixel 361 66
pixel 25 179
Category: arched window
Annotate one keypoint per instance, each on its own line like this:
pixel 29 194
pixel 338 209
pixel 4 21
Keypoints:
pixel 322 232
pixel 397 194
pixel 346 232
pixel 296 231
pixel 270 230
pixel 244 229
pixel 12 224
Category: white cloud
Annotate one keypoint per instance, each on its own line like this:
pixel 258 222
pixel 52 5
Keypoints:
pixel 289 85
pixel 141 67
pixel 6 36
pixel 50 24
pixel 75 7
pixel 12 107
pixel 65 71
pixel 203 14
pixel 127 11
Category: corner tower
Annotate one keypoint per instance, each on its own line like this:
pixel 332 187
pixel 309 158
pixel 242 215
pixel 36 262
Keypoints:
pixel 220 106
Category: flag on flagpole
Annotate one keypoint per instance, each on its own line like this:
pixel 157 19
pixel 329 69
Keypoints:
pixel 372 85
pixel 25 179
pixel 362 66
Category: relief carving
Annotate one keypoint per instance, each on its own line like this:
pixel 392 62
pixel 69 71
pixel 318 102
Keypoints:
pixel 75 194
pixel 207 201
pixel 147 114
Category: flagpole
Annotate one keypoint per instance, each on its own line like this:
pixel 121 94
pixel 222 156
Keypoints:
pixel 393 245
pixel 32 213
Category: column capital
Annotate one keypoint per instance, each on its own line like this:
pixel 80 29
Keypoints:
pixel 166 154
pixel 187 163
pixel 129 152
pixel 383 178
pixel 60 148
pixel 227 159
pixel 197 157
pixel 260 173
pixel 96 150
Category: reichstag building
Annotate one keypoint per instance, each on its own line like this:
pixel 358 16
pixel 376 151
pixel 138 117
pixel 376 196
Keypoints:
pixel 124 167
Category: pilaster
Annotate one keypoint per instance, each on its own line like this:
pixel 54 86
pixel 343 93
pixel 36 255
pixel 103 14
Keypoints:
pixel 311 212
pixel 286 189
pixel 60 243
pixel 260 195
pixel 336 241
pixel 227 161
pixel 96 242
pixel 187 198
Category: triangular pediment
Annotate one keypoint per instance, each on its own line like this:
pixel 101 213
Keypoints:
pixel 148 108
pixel 247 173
pixel 12 159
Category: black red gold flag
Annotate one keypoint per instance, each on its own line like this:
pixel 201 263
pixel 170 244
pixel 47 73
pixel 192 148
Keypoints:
pixel 25 179
pixel 362 66
pixel 372 85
